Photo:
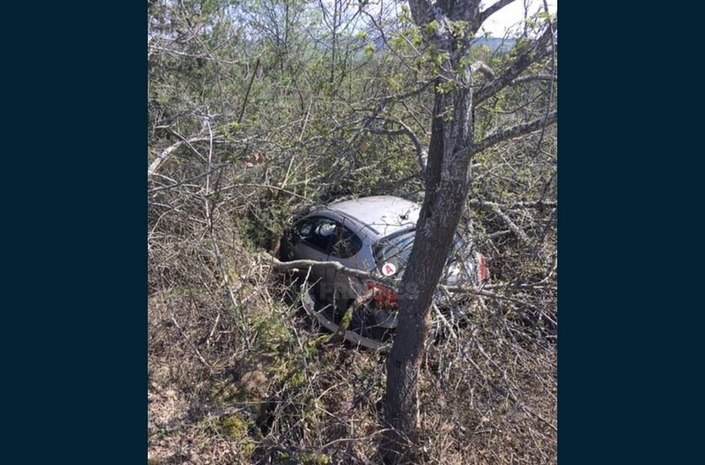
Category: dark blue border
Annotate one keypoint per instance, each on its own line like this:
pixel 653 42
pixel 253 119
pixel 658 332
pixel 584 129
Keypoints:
pixel 627 338
pixel 75 223
pixel 75 217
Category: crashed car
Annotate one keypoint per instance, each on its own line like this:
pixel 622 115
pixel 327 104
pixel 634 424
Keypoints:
pixel 375 235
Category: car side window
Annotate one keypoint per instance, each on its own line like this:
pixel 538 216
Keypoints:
pixel 329 236
pixel 317 232
pixel 346 243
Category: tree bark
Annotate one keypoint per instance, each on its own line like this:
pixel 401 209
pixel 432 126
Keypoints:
pixel 446 184
pixel 448 26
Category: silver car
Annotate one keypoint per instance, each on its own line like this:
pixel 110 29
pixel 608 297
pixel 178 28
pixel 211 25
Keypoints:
pixel 372 234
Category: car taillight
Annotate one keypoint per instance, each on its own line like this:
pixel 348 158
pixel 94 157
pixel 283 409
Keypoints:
pixel 482 272
pixel 384 296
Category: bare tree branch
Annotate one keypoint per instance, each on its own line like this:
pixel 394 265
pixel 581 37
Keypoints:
pixel 422 86
pixel 537 50
pixel 496 209
pixel 263 186
pixel 538 204
pixel 185 182
pixel 489 11
pixel 484 69
pixel 496 137
pixel 247 93
pixel 166 153
pixel 421 153
pixel 297 264
pixel 534 77
pixel 389 47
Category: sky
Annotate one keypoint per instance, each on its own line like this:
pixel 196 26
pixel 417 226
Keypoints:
pixel 513 13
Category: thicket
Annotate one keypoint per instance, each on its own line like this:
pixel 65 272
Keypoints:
pixel 260 109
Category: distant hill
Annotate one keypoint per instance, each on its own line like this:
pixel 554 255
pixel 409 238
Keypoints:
pixel 495 43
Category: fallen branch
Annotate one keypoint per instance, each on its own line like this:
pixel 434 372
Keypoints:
pixel 308 264
pixel 495 208
pixel 166 153
pixel 298 264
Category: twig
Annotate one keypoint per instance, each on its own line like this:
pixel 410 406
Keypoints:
pixel 510 396
pixel 195 349
pixel 215 325
pixel 247 93
pixel 421 153
pixel 264 186
pixel 537 50
pixel 444 320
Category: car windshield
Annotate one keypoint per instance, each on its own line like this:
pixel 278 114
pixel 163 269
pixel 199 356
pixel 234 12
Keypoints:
pixel 397 249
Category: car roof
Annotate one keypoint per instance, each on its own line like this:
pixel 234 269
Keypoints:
pixel 383 214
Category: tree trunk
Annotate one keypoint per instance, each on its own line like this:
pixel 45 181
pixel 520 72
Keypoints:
pixel 447 183
pixel 448 27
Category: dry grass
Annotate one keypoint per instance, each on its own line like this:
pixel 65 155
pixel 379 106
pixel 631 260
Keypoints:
pixel 239 375
pixel 257 384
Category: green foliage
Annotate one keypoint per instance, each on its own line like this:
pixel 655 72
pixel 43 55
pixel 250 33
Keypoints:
pixel 235 427
pixel 458 28
pixel 285 120
pixel 314 459
pixel 431 27
pixel 273 335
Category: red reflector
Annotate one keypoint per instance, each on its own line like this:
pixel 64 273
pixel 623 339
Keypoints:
pixel 384 295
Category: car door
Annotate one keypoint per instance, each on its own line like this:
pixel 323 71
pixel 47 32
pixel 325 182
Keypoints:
pixel 345 247
pixel 313 238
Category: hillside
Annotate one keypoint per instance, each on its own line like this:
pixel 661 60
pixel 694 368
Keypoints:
pixel 258 112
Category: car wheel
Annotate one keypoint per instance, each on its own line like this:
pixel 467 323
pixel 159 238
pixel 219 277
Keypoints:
pixel 364 323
